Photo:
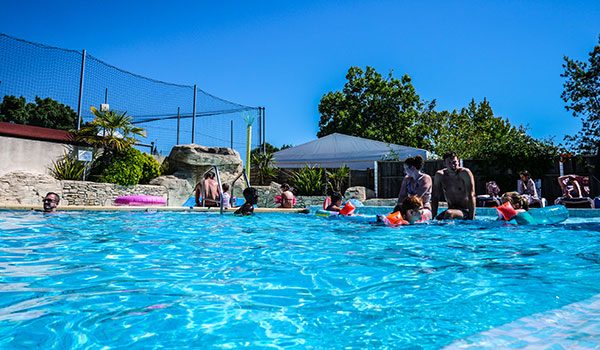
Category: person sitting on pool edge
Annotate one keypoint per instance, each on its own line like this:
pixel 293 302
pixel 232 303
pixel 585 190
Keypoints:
pixel 251 197
pixel 336 202
pixel 415 182
pixel 457 185
pixel 51 201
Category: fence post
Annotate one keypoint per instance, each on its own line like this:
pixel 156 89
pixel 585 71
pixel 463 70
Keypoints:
pixel 194 115
pixel 81 76
pixel 264 132
pixel 231 131
pixel 178 122
pixel 376 178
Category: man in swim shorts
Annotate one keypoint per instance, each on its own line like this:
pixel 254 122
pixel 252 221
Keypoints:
pixel 457 185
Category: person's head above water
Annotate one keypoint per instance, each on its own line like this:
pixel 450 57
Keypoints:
pixel 285 187
pixel 250 195
pixel 451 160
pixel 411 208
pixel 336 198
pixel 51 201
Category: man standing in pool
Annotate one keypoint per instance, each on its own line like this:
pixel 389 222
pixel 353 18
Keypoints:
pixel 457 185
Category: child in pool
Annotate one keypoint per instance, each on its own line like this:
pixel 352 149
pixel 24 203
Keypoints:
pixel 410 212
pixel 336 202
pixel 251 197
pixel 226 197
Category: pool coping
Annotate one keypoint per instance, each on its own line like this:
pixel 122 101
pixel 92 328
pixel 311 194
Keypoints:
pixel 151 208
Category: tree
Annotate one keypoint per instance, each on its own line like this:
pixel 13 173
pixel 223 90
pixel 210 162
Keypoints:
pixel 45 112
pixel 264 165
pixel 371 106
pixel 475 133
pixel 581 93
pixel 111 131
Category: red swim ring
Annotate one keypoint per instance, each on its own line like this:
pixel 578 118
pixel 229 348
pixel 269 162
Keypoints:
pixel 140 200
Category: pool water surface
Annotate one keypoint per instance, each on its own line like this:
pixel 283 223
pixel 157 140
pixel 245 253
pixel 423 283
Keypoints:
pixel 135 279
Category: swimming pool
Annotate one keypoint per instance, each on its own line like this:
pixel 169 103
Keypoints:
pixel 95 279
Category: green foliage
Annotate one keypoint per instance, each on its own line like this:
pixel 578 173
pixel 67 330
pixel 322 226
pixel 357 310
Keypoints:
pixel 337 178
pixel 67 168
pixel 150 168
pixel 308 181
pixel 285 146
pixel 110 131
pixel 475 133
pixel 371 106
pixel 46 113
pixel 581 93
pixel 263 164
pixel 128 167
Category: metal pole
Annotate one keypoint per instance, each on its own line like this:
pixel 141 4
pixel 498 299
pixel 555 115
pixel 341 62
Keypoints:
pixel 105 95
pixel 231 130
pixel 178 123
pixel 264 130
pixel 260 140
pixel 194 115
pixel 81 76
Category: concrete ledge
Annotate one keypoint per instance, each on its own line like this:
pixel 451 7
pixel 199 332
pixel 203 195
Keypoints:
pixel 172 209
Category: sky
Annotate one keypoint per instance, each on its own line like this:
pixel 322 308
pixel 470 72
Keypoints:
pixel 285 55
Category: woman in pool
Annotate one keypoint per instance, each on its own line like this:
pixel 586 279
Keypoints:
pixel 415 183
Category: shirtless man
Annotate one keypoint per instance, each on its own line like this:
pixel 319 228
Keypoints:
pixel 209 190
pixel 457 185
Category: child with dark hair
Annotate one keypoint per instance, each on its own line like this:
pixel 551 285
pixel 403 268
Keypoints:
pixel 251 197
pixel 336 202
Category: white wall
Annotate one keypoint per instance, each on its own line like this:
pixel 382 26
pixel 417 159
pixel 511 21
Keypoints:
pixel 29 155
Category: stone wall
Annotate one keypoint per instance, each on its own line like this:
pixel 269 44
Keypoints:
pixel 94 193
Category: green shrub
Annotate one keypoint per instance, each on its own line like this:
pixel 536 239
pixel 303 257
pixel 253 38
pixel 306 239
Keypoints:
pixel 150 168
pixel 338 178
pixel 67 168
pixel 308 181
pixel 125 168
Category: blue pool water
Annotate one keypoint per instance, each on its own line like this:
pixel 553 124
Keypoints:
pixel 144 280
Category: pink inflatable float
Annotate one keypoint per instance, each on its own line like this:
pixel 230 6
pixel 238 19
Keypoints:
pixel 140 200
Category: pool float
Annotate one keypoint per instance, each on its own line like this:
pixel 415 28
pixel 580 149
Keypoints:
pixel 140 200
pixel 365 219
pixel 394 219
pixel 346 213
pixel 553 214
pixel 278 199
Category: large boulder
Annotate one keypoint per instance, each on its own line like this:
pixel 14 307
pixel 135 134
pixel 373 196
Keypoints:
pixel 27 188
pixel 179 190
pixel 359 192
pixel 191 161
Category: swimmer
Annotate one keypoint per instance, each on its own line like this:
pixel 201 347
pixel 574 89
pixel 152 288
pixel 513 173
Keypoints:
pixel 336 202
pixel 251 197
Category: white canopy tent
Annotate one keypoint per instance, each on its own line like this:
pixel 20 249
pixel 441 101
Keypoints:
pixel 336 150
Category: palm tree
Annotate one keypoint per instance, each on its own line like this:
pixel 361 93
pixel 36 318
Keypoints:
pixel 263 163
pixel 110 131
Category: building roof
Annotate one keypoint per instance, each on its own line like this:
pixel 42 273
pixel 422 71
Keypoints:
pixel 35 133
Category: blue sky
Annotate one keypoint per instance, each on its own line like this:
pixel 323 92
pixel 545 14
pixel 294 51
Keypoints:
pixel 286 55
